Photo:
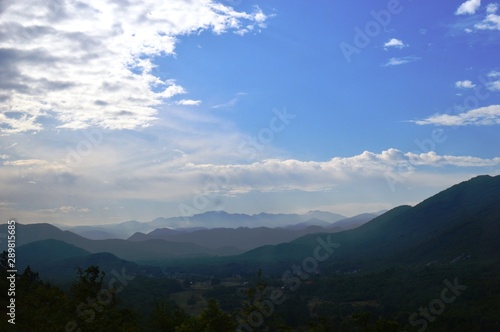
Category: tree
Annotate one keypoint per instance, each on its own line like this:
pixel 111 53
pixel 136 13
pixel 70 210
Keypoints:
pixel 166 318
pixel 362 319
pixel 191 301
pixel 96 308
pixel 213 319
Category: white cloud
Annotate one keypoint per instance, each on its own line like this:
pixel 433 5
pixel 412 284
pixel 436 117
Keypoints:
pixel 491 21
pixel 65 209
pixel 396 43
pixel 400 61
pixel 6 205
pixel 38 164
pixel 492 8
pixel 466 84
pixel 230 103
pixel 148 182
pixel 494 85
pixel 469 7
pixel 188 102
pixel 173 90
pixel 77 64
pixel 484 116
pixel 277 175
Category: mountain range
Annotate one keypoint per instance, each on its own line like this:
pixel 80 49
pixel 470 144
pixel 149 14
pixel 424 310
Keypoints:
pixel 206 220
pixel 461 222
pixel 165 243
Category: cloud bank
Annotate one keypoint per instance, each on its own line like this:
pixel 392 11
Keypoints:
pixel 73 64
pixel 469 7
pixel 484 116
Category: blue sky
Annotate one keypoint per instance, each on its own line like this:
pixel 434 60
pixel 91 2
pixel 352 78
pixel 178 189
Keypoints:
pixel 120 110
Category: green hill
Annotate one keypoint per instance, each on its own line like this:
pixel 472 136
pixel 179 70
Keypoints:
pixel 48 251
pixel 463 219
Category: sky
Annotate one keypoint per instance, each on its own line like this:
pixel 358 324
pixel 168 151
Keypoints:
pixel 136 109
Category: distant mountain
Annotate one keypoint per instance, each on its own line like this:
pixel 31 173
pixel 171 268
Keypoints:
pixel 461 220
pixel 378 213
pixel 206 220
pixel 129 250
pixel 47 251
pixel 338 225
pixel 222 219
pixel 58 260
pixel 243 238
pixel 329 217
pixel 353 222
pixel 311 222
pixel 112 231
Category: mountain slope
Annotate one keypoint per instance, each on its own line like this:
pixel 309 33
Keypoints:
pixel 463 219
pixel 58 260
pixel 206 220
pixel 151 249
pixel 243 238
pixel 353 222
pixel 48 250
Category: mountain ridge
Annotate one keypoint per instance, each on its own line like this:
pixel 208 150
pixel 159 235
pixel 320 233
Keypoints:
pixel 451 214
pixel 206 220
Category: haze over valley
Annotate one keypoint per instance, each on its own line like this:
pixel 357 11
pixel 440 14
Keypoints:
pixel 267 166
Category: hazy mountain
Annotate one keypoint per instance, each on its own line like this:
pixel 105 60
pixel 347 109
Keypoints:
pixel 112 231
pixel 338 225
pixel 353 222
pixel 210 219
pixel 329 217
pixel 151 249
pixel 310 222
pixel 58 260
pixel 242 237
pixel 463 219
pixel 48 251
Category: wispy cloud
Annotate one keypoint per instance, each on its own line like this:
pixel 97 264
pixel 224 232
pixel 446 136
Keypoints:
pixel 484 116
pixel 469 7
pixel 142 183
pixel 476 23
pixel 466 84
pixel 188 102
pixel 394 43
pixel 230 103
pixel 66 209
pixel 396 61
pixel 494 84
pixel 77 65
pixel 491 21
pixel 281 175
